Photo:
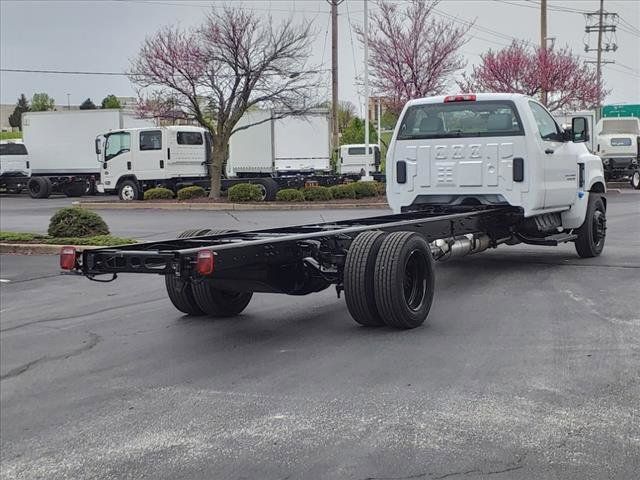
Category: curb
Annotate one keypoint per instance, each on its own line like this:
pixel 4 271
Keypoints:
pixel 37 248
pixel 225 206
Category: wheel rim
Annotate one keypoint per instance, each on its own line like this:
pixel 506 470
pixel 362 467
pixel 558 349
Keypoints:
pixel 263 191
pixel 635 179
pixel 598 227
pixel 415 280
pixel 127 192
pixel 35 187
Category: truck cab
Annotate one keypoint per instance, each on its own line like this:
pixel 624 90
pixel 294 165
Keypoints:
pixel 135 159
pixel 491 149
pixel 618 144
pixel 15 168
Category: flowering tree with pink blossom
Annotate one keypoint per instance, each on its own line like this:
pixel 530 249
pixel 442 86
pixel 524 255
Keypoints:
pixel 213 74
pixel 412 53
pixel 569 82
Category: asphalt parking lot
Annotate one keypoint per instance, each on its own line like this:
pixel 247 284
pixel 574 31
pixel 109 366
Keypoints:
pixel 529 368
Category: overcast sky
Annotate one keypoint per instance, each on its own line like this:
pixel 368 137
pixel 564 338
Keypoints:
pixel 104 35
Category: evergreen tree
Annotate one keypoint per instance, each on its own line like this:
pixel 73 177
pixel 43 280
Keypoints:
pixel 87 105
pixel 15 119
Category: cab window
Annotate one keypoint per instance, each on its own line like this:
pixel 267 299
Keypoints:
pixel 151 140
pixel 117 143
pixel 190 138
pixel 547 126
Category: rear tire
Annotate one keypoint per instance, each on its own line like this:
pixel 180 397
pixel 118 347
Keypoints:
pixel 359 278
pixel 635 180
pixel 180 291
pixel 219 303
pixel 592 233
pixel 39 187
pixel 405 280
pixel 75 189
pixel 269 188
pixel 130 190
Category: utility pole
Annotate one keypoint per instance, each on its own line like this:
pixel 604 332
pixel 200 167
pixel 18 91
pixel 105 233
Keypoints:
pixel 606 23
pixel 335 136
pixel 543 41
pixel 366 91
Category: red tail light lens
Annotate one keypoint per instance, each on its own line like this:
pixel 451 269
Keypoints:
pixel 205 262
pixel 460 98
pixel 68 258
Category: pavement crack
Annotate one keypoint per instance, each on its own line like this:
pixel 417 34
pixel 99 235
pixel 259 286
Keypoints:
pixel 94 339
pixel 233 216
pixel 82 315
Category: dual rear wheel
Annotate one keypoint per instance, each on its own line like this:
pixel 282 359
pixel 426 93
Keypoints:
pixel 389 279
pixel 199 297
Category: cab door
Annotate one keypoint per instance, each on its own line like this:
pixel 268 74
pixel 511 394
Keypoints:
pixel 558 157
pixel 149 160
pixel 117 159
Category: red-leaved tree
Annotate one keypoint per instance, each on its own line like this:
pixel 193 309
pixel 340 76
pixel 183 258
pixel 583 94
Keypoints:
pixel 569 82
pixel 213 74
pixel 412 53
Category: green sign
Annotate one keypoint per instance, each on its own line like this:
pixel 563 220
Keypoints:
pixel 621 111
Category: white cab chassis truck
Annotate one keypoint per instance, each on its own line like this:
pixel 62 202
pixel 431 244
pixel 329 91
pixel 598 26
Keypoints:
pixel 464 173
pixel 135 159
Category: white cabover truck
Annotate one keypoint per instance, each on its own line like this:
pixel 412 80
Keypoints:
pixel 464 173
pixel 618 144
pixel 61 148
pixel 15 168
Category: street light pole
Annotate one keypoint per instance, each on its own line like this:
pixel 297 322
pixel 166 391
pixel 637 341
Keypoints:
pixel 68 102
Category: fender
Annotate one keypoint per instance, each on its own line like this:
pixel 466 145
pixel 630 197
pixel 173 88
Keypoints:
pixel 593 184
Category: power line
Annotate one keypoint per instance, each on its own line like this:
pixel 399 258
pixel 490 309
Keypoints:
pixel 123 74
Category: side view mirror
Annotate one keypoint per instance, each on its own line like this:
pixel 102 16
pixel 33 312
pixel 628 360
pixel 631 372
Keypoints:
pixel 98 143
pixel 579 130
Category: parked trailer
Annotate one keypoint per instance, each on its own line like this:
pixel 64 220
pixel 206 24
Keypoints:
pixel 61 148
pixel 444 206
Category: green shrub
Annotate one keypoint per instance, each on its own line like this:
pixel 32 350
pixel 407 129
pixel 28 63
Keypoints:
pixel 99 240
pixel 289 195
pixel 245 192
pixel 343 191
pixel 77 222
pixel 317 194
pixel 365 189
pixel 158 193
pixel 381 187
pixel 191 192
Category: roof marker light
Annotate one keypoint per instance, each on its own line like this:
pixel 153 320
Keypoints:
pixel 460 98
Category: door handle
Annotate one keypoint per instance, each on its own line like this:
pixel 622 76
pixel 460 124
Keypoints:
pixel 549 151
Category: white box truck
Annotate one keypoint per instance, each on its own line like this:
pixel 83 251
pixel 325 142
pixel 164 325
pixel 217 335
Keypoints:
pixel 280 146
pixel 61 148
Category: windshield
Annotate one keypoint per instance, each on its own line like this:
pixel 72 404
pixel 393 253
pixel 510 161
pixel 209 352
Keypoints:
pixel 460 119
pixel 117 143
pixel 12 149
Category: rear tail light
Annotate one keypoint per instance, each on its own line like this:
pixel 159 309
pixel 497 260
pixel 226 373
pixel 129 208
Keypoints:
pixel 68 258
pixel 205 262
pixel 460 98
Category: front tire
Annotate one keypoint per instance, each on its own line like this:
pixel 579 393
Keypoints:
pixel 635 180
pixel 219 303
pixel 405 280
pixel 129 191
pixel 592 232
pixel 268 187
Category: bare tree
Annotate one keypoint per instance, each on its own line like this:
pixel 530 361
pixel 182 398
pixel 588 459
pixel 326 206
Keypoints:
pixel 569 82
pixel 413 54
pixel 213 74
